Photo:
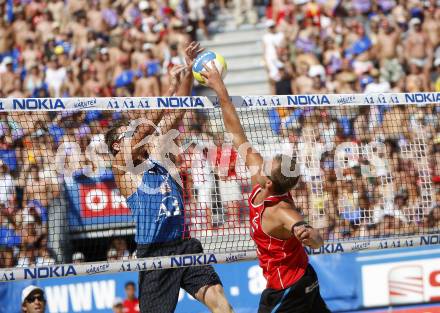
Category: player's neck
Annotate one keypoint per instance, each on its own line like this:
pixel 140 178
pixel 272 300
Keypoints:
pixel 265 193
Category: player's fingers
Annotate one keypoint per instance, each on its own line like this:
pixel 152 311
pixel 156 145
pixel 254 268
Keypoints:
pixel 306 242
pixel 204 75
pixel 193 49
pixel 200 50
pixel 191 45
pixel 299 230
pixel 214 68
pixel 178 69
pixel 207 68
pixel 174 69
pixel 305 235
pixel 189 48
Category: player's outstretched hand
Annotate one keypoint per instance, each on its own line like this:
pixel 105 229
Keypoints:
pixel 176 75
pixel 212 77
pixel 191 52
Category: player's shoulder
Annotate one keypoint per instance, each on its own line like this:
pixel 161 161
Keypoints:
pixel 285 204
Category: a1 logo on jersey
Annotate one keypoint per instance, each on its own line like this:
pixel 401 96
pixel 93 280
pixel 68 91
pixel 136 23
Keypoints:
pixel 169 207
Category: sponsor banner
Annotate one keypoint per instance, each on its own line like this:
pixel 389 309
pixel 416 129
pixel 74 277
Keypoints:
pixel 403 282
pixel 94 202
pixel 166 262
pixel 376 244
pixel 429 308
pixel 133 265
pixel 101 199
pixel 243 284
pixel 346 281
pixel 133 103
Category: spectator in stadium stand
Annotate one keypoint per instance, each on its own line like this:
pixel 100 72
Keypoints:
pixel 112 254
pixel 78 258
pixel 197 16
pixel 229 184
pixel 386 49
pixel 244 11
pixel 131 303
pixel 418 47
pixel 33 300
pixel 272 40
pixel 29 239
pixel 7 186
pixel 376 84
pixel 202 185
pixel 118 306
pixel 148 85
pixel 120 245
pixel 7 75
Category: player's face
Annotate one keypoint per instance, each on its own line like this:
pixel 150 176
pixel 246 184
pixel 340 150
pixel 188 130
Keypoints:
pixel 121 134
pixel 35 303
pixel 129 290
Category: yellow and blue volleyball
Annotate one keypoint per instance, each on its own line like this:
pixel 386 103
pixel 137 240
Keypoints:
pixel 206 58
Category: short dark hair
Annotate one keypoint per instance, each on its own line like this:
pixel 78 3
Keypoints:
pixel 282 183
pixel 112 135
pixel 130 283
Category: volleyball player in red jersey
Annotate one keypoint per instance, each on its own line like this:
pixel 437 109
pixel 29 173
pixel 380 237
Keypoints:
pixel 277 228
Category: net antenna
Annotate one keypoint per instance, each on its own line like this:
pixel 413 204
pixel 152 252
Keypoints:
pixel 365 163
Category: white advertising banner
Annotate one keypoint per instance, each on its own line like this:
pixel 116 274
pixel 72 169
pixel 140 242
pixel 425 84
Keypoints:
pixel 401 282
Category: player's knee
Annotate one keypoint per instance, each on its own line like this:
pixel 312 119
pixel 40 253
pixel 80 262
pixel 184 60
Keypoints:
pixel 217 291
pixel 215 297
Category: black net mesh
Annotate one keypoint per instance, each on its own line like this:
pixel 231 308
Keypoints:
pixel 366 172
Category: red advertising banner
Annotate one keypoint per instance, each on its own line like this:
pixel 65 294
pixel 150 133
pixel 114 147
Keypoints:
pixel 101 199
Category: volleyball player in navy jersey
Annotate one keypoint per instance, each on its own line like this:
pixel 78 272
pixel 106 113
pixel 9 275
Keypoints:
pixel 155 199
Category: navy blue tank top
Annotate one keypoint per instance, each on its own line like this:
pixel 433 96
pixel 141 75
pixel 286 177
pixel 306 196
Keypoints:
pixel 157 207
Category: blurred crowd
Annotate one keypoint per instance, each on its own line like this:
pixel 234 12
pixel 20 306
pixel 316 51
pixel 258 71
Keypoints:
pixel 125 48
pixel 352 46
pixel 362 46
pixel 80 48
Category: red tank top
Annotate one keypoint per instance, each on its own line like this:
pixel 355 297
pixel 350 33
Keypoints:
pixel 283 262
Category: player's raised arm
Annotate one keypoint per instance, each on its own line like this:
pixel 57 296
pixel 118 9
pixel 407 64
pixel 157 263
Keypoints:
pixel 292 221
pixel 253 159
pixel 181 84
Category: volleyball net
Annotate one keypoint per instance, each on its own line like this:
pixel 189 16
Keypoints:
pixel 369 167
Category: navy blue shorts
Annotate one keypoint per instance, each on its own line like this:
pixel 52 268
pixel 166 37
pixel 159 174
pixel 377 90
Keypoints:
pixel 302 297
pixel 159 289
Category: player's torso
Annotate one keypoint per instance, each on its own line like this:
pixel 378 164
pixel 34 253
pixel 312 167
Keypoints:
pixel 283 261
pixel 157 207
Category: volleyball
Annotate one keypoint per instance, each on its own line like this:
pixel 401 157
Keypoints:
pixel 206 58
